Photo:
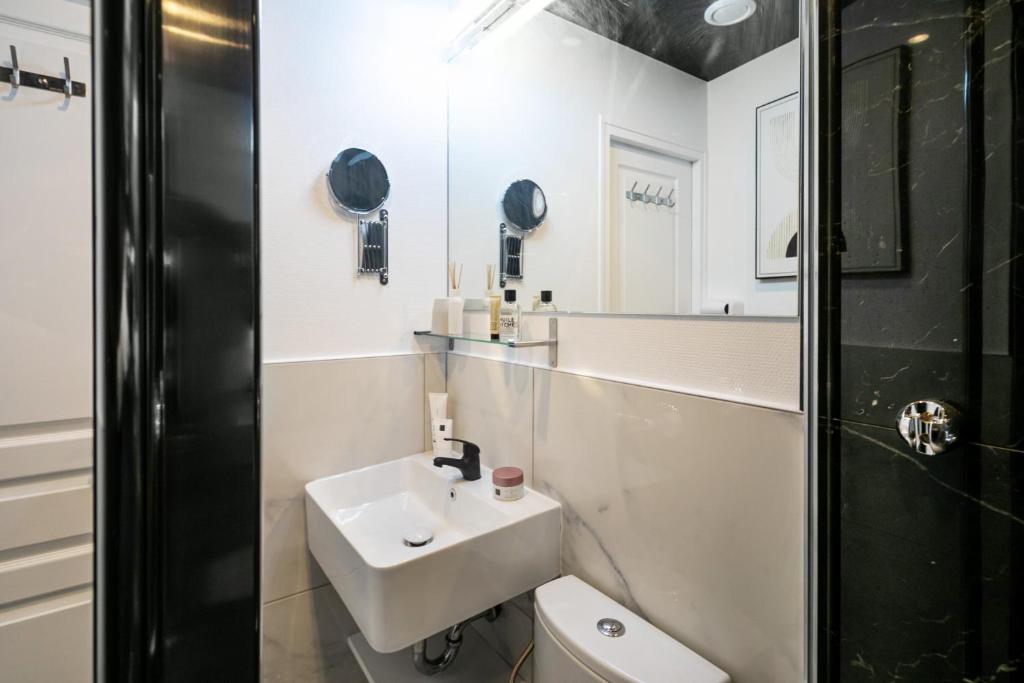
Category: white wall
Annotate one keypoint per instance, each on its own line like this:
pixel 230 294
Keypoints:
pixel 337 75
pixel 533 108
pixel 729 251
pixel 334 75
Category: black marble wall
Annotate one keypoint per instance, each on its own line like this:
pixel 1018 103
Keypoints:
pixel 922 557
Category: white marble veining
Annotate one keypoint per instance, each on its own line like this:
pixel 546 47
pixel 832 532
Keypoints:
pixel 687 510
pixel 322 418
pixel 491 404
pixel 304 640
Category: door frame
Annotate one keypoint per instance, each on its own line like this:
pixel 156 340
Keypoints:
pixel 611 133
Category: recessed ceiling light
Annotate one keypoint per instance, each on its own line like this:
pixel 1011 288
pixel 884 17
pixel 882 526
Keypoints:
pixel 729 12
pixel 919 38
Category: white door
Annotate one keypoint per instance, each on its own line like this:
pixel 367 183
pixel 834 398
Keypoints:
pixel 650 244
pixel 45 351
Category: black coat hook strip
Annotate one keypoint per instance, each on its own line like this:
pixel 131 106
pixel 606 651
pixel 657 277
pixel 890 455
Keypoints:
pixel 42 82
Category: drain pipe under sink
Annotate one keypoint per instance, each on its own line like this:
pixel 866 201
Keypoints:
pixel 430 666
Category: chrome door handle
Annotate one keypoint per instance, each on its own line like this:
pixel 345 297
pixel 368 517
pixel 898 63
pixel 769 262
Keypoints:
pixel 929 427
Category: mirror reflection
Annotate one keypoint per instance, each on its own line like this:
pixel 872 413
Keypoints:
pixel 666 138
pixel 525 205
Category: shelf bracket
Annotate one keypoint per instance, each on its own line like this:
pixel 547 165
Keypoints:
pixel 553 347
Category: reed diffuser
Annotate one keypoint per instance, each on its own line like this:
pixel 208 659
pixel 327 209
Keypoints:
pixel 455 303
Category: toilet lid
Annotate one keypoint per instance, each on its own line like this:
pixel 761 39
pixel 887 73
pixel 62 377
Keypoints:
pixel 642 653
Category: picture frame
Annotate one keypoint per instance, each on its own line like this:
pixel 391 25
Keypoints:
pixel 777 193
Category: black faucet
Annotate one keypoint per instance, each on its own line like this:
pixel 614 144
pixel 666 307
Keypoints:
pixel 468 464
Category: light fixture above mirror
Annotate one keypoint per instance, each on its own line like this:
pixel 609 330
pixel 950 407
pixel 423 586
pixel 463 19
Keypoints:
pixel 491 21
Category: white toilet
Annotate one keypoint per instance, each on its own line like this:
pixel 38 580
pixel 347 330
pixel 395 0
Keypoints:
pixel 583 636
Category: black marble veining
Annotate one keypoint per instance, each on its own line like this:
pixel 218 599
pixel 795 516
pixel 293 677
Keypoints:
pixel 923 557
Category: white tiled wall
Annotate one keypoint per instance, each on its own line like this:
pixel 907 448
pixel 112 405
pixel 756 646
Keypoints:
pixel 688 510
pixel 491 404
pixel 322 418
pixel 304 639
pixel 751 360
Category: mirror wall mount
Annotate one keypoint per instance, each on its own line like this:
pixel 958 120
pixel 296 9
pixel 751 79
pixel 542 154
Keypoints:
pixel 358 184
pixel 510 255
pixel 372 246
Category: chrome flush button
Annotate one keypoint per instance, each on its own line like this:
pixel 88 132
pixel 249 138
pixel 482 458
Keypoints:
pixel 612 628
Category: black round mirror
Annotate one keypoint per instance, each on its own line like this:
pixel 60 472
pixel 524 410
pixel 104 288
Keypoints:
pixel 525 205
pixel 358 181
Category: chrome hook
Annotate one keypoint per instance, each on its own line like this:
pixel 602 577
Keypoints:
pixel 15 71
pixel 657 198
pixel 668 200
pixel 631 194
pixel 647 196
pixel 67 79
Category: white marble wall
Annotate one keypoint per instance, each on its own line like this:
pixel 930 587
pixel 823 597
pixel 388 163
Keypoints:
pixel 491 404
pixel 322 418
pixel 688 510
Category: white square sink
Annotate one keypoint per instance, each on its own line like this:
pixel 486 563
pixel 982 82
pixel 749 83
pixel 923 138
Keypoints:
pixel 483 551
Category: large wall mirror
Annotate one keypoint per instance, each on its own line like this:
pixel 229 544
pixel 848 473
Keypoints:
pixel 652 149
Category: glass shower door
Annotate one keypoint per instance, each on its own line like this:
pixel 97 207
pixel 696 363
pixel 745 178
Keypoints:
pixel 922 555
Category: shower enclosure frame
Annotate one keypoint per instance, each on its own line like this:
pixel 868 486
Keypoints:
pixel 813 30
pixel 177 345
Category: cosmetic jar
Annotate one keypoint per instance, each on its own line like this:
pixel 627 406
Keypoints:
pixel 508 483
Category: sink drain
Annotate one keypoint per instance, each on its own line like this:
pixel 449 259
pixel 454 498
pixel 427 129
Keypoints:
pixel 417 536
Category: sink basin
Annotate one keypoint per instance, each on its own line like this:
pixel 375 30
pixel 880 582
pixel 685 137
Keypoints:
pixel 482 553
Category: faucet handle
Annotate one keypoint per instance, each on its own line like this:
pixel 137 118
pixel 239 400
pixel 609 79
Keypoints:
pixel 469 449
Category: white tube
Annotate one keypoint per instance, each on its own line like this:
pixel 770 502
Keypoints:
pixel 438 406
pixel 441 429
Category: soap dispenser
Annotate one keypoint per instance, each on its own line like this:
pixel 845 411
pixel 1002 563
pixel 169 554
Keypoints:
pixel 509 318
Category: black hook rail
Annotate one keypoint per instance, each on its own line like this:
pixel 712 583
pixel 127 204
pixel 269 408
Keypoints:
pixel 19 78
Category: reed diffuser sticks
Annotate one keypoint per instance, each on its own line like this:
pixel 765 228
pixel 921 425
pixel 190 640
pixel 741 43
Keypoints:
pixel 455 275
pixel 455 302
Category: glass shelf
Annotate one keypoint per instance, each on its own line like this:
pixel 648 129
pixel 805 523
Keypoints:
pixel 551 343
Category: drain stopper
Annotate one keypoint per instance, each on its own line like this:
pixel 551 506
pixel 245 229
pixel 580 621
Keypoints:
pixel 417 536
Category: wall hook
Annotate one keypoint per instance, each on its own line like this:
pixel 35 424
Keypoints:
pixel 67 80
pixel 647 196
pixel 657 198
pixel 15 71
pixel 631 194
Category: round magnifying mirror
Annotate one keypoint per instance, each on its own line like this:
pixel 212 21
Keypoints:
pixel 525 205
pixel 358 181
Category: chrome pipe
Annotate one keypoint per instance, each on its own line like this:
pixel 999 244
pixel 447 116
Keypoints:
pixel 430 666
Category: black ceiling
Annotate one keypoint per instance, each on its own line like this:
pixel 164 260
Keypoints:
pixel 674 31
